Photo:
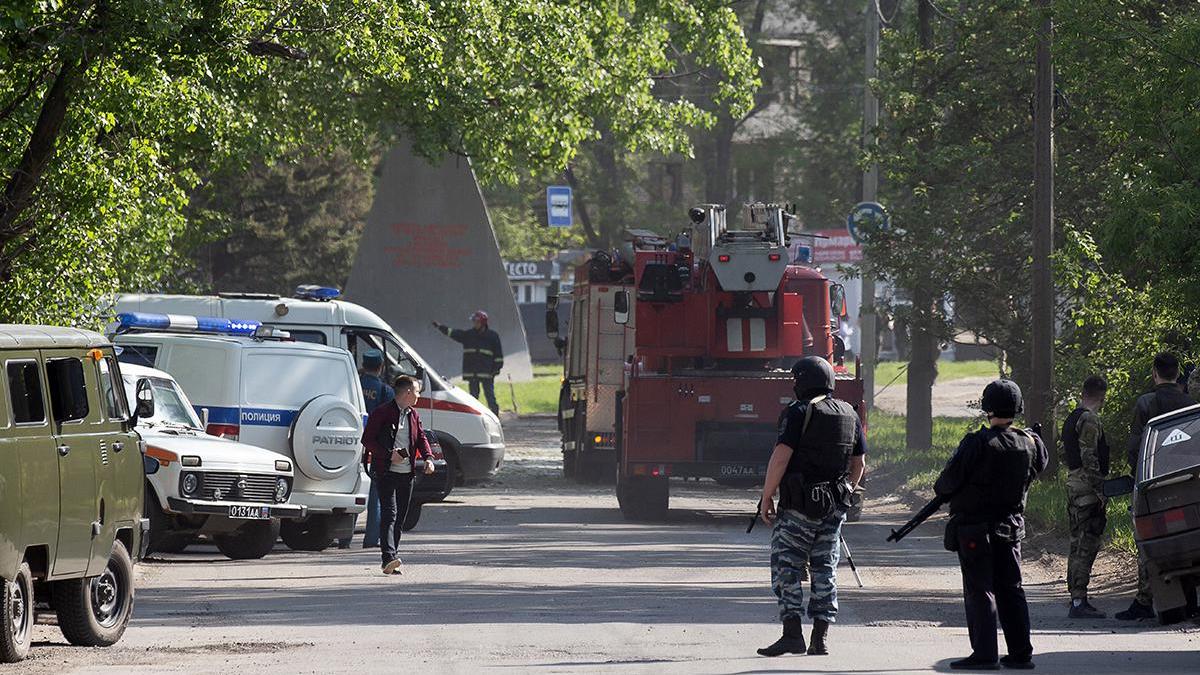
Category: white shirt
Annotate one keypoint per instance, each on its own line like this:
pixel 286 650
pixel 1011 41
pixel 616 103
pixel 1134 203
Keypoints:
pixel 404 466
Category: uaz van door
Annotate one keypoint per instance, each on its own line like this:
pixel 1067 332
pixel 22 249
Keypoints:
pixel 29 502
pixel 77 447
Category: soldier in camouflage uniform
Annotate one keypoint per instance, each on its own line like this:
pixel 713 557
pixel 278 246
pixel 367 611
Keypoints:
pixel 815 466
pixel 1086 455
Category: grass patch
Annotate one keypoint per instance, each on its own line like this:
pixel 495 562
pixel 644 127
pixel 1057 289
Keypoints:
pixel 886 371
pixel 1046 506
pixel 539 395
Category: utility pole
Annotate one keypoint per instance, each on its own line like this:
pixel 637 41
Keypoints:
pixel 1041 401
pixel 870 188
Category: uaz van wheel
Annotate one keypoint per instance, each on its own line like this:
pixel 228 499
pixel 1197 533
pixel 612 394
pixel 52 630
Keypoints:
pixel 313 534
pixel 17 615
pixel 94 612
pixel 250 541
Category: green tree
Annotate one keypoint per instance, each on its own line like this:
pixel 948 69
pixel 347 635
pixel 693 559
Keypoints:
pixel 272 228
pixel 111 111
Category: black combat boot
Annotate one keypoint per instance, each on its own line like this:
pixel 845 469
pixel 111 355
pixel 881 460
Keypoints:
pixel 792 641
pixel 816 645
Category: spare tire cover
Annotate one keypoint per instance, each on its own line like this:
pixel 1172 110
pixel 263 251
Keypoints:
pixel 327 437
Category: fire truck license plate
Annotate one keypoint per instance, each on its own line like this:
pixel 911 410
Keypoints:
pixel 742 470
pixel 250 512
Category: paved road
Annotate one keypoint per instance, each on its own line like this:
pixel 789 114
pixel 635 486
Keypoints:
pixel 533 574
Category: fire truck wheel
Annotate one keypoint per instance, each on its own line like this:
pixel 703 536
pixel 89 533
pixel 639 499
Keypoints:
pixel 643 498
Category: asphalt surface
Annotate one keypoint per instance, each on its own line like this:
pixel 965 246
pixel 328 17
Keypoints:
pixel 531 573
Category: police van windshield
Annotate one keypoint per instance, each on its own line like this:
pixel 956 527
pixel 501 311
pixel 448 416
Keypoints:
pixel 171 407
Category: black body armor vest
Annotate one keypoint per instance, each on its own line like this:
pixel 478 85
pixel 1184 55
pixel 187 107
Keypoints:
pixel 997 485
pixel 824 450
pixel 1070 436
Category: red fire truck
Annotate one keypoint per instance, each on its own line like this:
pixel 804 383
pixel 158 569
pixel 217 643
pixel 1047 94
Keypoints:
pixel 721 316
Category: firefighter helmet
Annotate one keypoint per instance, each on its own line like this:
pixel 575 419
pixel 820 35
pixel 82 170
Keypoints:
pixel 1002 398
pixel 813 374
pixel 480 316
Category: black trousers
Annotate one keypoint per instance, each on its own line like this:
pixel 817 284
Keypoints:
pixel 992 589
pixel 489 391
pixel 395 493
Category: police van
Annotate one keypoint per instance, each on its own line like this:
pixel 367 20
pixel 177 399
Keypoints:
pixel 249 383
pixel 470 434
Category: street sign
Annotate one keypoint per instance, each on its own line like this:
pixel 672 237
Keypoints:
pixel 558 206
pixel 866 216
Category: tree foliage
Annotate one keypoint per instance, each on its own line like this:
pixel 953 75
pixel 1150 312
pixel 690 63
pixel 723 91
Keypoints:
pixel 112 111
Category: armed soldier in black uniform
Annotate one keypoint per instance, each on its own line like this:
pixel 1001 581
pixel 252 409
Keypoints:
pixel 986 482
pixel 816 465
pixel 1167 396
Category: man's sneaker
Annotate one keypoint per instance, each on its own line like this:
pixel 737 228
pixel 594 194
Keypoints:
pixel 392 566
pixel 973 662
pixel 1015 663
pixel 1084 610
pixel 1136 611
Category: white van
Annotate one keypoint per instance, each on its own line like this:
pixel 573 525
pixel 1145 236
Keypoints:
pixel 469 433
pixel 299 399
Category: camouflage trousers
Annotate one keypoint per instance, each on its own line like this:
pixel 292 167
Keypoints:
pixel 800 546
pixel 1145 594
pixel 1087 518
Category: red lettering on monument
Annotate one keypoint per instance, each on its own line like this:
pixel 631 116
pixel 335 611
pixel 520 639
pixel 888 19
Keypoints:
pixel 429 245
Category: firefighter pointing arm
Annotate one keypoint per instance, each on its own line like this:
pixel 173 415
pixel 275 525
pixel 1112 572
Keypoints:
pixel 483 357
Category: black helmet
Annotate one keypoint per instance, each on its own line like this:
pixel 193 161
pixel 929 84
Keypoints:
pixel 814 376
pixel 1002 398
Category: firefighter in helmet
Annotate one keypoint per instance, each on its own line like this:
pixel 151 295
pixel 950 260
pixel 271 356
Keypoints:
pixel 482 357
pixel 817 463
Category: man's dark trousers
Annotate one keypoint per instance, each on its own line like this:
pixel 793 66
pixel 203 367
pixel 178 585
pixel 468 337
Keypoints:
pixel 991 588
pixel 395 493
pixel 489 390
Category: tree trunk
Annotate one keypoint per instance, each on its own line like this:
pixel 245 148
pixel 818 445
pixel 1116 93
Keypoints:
pixel 922 373
pixel 585 219
pixel 610 200
pixel 922 364
pixel 19 191
pixel 718 177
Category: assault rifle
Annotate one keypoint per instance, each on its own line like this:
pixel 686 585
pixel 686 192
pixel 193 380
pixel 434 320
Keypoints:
pixel 926 511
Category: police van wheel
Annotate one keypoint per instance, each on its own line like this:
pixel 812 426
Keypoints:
pixel 94 612
pixel 16 635
pixel 643 498
pixel 250 541
pixel 411 518
pixel 313 534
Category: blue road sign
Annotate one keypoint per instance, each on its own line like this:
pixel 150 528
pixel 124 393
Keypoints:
pixel 558 206
pixel 869 216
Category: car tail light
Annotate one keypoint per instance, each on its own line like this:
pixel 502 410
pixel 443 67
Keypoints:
pixel 1167 522
pixel 230 431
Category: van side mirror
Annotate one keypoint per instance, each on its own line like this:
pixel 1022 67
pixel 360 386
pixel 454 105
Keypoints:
pixel 621 307
pixel 145 400
pixel 1115 487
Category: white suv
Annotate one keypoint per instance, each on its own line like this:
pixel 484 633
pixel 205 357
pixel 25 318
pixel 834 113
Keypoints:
pixel 299 399
pixel 199 484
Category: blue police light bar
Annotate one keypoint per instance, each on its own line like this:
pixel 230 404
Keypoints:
pixel 314 292
pixel 182 323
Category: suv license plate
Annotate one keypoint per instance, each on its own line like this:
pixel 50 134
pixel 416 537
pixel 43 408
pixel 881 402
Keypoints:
pixel 250 512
